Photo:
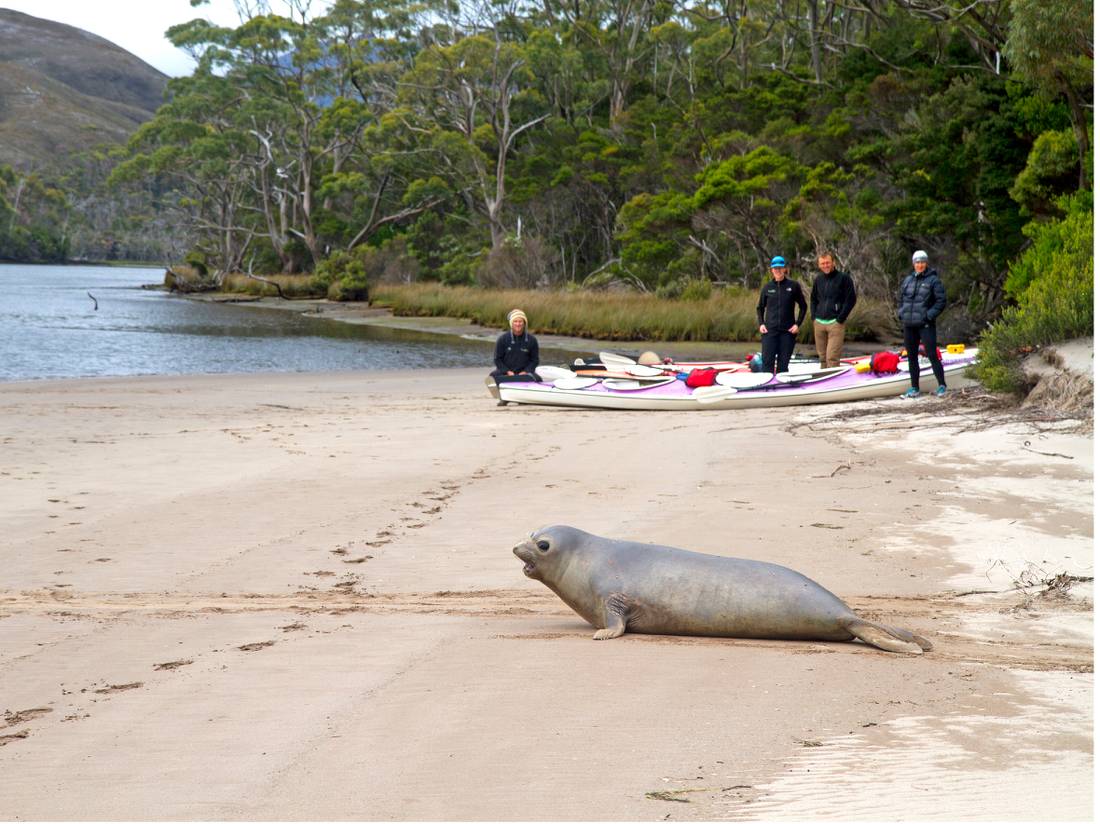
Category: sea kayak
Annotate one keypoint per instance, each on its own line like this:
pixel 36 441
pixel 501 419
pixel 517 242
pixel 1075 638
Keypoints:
pixel 799 387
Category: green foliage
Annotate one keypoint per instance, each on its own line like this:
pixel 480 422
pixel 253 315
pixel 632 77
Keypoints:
pixel 1051 171
pixel 1058 247
pixel 33 219
pixel 653 231
pixel 350 275
pixel 748 179
pixel 1051 42
pixel 1053 282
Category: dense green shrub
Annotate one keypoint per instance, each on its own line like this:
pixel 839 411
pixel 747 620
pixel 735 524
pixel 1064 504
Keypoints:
pixel 696 289
pixel 1053 282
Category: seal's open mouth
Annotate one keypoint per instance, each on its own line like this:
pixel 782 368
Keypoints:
pixel 523 552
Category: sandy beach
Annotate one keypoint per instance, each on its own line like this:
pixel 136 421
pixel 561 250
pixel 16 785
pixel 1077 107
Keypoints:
pixel 293 597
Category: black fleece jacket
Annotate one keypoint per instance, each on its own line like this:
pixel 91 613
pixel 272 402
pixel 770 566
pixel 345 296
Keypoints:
pixel 833 296
pixel 516 354
pixel 775 309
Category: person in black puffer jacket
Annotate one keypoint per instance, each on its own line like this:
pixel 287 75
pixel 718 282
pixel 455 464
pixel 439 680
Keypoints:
pixel 920 301
pixel 775 314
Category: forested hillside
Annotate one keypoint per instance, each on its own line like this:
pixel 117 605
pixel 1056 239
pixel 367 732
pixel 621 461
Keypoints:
pixel 67 98
pixel 651 142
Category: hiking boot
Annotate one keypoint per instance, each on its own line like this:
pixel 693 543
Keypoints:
pixel 912 393
pixel 941 390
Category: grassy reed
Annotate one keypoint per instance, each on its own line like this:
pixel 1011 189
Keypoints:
pixel 293 286
pixel 612 316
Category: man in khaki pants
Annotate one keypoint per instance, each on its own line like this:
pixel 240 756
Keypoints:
pixel 831 301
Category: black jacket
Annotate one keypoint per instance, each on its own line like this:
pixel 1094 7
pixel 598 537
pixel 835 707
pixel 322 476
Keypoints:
pixel 516 354
pixel 775 309
pixel 833 296
pixel 921 298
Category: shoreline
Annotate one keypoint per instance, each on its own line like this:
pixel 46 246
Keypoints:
pixel 310 576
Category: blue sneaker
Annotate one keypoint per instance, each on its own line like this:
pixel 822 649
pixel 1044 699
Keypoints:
pixel 941 390
pixel 912 393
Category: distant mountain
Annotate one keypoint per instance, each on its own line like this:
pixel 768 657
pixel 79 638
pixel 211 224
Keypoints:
pixel 63 89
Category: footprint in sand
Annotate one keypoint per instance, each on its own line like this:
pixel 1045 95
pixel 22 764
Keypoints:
pixel 113 688
pixel 171 665
pixel 12 719
pixel 255 646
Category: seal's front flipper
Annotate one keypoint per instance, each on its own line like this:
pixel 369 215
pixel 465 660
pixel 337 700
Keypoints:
pixel 890 639
pixel 614 618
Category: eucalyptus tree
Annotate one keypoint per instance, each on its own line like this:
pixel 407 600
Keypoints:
pixel 380 174
pixel 196 148
pixel 1051 44
pixel 614 34
pixel 472 100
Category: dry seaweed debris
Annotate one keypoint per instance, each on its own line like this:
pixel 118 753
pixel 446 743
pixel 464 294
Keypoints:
pixel 967 409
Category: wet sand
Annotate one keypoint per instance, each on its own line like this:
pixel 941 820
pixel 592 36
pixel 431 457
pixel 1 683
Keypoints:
pixel 293 597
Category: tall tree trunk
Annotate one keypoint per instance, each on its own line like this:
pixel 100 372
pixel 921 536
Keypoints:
pixel 815 46
pixel 1080 128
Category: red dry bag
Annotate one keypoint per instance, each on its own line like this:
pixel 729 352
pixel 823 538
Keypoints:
pixel 701 377
pixel 884 362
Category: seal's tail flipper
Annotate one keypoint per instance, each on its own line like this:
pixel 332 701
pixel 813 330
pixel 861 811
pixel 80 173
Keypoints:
pixel 890 639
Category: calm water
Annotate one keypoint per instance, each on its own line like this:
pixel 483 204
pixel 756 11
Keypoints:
pixel 48 329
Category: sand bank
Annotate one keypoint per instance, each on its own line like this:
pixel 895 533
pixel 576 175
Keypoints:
pixel 293 597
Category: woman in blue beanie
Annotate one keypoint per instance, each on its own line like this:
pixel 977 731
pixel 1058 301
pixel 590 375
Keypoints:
pixel 775 314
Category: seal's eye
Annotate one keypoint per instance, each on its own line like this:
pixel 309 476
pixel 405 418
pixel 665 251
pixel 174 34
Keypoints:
pixel 543 545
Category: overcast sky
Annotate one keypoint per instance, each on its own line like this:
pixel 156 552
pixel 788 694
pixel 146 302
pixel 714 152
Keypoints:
pixel 137 25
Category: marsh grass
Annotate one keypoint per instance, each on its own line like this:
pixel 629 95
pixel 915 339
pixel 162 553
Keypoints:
pixel 293 286
pixel 612 316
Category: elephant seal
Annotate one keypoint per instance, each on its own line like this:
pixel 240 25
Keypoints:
pixel 622 585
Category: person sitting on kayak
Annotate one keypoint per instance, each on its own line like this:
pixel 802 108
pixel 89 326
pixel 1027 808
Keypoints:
pixel 517 353
pixel 775 314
